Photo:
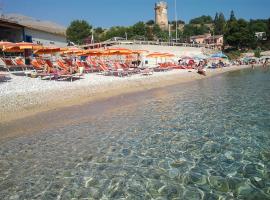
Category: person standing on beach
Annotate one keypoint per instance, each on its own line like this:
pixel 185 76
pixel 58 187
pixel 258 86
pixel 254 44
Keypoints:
pixel 265 63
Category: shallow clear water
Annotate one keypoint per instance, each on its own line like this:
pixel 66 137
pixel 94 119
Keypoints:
pixel 208 139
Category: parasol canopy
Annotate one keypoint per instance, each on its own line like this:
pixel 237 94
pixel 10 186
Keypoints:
pixel 47 50
pixel 3 44
pixel 219 55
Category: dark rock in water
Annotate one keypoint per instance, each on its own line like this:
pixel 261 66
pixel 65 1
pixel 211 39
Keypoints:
pixel 218 183
pixel 234 182
pixel 252 170
pixel 197 178
pixel 246 191
pixel 147 162
pixel 88 157
pixel 126 152
pixel 192 194
pixel 265 155
pixel 210 196
pixel 258 182
pixel 178 163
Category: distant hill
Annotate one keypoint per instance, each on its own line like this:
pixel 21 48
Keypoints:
pixel 33 23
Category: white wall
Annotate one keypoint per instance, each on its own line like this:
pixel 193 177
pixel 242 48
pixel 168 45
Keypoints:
pixel 46 39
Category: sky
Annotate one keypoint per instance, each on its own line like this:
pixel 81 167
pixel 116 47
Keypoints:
pixel 107 13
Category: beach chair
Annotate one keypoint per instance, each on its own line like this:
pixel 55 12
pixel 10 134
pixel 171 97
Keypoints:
pixel 21 64
pixel 3 65
pixel 66 72
pixel 118 70
pixel 10 66
pixel 42 70
pixel 146 71
pixel 87 68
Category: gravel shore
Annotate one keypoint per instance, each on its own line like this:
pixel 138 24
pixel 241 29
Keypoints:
pixel 23 96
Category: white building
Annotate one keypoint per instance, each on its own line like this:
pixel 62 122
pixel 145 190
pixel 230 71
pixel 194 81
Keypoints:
pixel 36 31
pixel 261 35
pixel 46 38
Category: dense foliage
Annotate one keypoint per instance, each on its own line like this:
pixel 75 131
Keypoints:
pixel 78 31
pixel 202 20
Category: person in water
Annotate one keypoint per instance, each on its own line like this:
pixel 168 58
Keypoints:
pixel 265 62
pixel 201 69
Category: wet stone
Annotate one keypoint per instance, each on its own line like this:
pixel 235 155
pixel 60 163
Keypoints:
pixel 192 194
pixel 265 155
pixel 126 152
pixel 218 183
pixel 177 163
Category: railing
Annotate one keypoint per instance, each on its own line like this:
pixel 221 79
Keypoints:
pixel 138 42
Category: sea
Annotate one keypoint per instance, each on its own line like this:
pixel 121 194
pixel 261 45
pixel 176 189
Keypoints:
pixel 206 139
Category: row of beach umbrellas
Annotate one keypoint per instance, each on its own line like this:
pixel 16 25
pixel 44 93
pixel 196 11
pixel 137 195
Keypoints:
pixel 39 50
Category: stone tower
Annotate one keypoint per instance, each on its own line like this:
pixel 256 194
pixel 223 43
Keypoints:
pixel 161 15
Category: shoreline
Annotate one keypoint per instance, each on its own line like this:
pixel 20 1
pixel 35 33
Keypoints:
pixel 19 105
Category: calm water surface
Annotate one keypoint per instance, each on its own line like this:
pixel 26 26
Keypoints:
pixel 208 139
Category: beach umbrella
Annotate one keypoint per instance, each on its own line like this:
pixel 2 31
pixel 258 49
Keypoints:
pixel 219 55
pixel 21 46
pixel 47 50
pixel 200 57
pixel 168 55
pixel 92 52
pixel 12 49
pixel 155 55
pixel 71 50
pixel 117 51
pixel 3 44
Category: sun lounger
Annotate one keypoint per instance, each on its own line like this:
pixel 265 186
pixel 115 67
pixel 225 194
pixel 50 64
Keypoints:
pixel 20 63
pixel 146 71
pixel 11 66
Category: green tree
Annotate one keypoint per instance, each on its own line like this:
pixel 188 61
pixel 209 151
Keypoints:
pixel 78 30
pixel 258 26
pixel 116 31
pixel 257 52
pixel 178 22
pixel 238 34
pixel 150 22
pixel 232 16
pixel 202 20
pixel 219 24
pixel 139 29
pixel 191 30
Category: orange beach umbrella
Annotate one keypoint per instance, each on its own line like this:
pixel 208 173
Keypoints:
pixel 155 55
pixel 47 50
pixel 28 45
pixel 3 44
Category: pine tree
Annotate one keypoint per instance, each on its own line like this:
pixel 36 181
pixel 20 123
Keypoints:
pixel 232 16
pixel 219 24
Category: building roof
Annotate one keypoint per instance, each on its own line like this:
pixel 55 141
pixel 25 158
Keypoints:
pixel 197 36
pixel 214 37
pixel 206 36
pixel 31 23
pixel 10 23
